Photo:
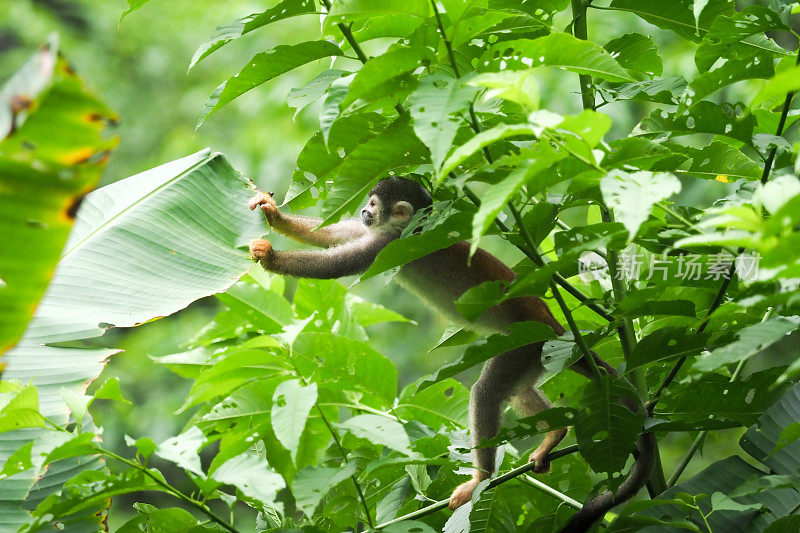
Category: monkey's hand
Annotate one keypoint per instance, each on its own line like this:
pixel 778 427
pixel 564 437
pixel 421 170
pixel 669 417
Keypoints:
pixel 261 250
pixel 539 457
pixel 267 204
pixel 463 493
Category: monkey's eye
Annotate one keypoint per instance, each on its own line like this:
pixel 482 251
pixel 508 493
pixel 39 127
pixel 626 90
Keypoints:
pixel 372 203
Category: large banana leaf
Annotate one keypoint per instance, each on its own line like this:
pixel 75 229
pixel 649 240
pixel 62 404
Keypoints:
pixel 141 248
pixel 52 150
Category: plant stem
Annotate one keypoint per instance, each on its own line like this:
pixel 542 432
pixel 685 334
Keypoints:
pixel 168 488
pixel 576 333
pixel 511 474
pixel 579 30
pixel 447 43
pixel 627 336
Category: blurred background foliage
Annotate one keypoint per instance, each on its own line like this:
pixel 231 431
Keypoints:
pixel 139 66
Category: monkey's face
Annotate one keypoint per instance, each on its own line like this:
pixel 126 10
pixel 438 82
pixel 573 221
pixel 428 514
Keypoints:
pixel 379 214
pixel 371 213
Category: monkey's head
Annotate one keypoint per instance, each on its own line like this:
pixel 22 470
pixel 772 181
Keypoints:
pixel 393 201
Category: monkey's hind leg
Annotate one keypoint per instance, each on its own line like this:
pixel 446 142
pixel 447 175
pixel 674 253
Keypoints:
pixel 530 401
pixel 499 379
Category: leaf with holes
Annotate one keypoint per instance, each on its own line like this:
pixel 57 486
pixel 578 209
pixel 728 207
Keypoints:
pixel 291 404
pixel 435 108
pixel 633 195
pixel 555 50
pixel 606 427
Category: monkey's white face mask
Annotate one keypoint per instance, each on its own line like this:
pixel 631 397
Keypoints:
pixel 375 216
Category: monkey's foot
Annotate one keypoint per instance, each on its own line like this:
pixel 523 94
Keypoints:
pixel 542 465
pixel 265 201
pixel 260 249
pixel 463 493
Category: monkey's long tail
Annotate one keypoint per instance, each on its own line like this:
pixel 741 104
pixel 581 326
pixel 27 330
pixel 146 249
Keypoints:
pixel 598 506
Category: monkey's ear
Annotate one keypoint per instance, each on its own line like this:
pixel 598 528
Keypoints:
pixel 402 210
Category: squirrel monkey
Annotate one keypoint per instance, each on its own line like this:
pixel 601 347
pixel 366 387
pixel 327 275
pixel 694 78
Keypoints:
pixel 439 279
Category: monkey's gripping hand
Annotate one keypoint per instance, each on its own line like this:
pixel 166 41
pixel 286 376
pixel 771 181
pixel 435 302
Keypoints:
pixel 261 251
pixel 266 202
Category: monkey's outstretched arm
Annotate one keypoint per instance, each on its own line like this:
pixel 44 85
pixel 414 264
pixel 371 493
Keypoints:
pixel 353 257
pixel 301 228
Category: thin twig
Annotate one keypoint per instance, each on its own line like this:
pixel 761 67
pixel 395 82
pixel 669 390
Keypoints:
pixel 168 488
pixel 511 474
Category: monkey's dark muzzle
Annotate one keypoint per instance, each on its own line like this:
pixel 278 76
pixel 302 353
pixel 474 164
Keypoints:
pixel 367 218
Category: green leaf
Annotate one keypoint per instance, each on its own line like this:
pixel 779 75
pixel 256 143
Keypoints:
pixel 56 153
pixel 538 158
pixel 636 52
pixel 714 396
pixel 331 105
pixel 661 90
pixel 446 402
pixel 724 73
pixel 133 5
pixel 183 450
pixel 89 490
pixel 312 483
pixel 349 10
pixel 752 20
pixel 380 69
pixel 225 34
pixel 720 161
pixel 153 519
pixel 605 428
pixel 109 390
pixel 379 430
pixel 677 15
pixel 633 195
pixel 252 476
pixel 776 89
pixel 482 139
pixel 518 86
pixel 291 404
pixel 264 67
pixel 750 340
pixel 555 50
pixel 267 310
pixel 763 440
pixel 434 107
pixel 666 344
pixel 477 300
pixel 368 313
pixel 347 363
pixel 789 434
pixel 394 148
pixel 703 117
pixel 520 334
pixel 314 90
pixel 21 411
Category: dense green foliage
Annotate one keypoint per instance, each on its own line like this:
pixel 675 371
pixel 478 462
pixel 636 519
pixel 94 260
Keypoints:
pixel 679 182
